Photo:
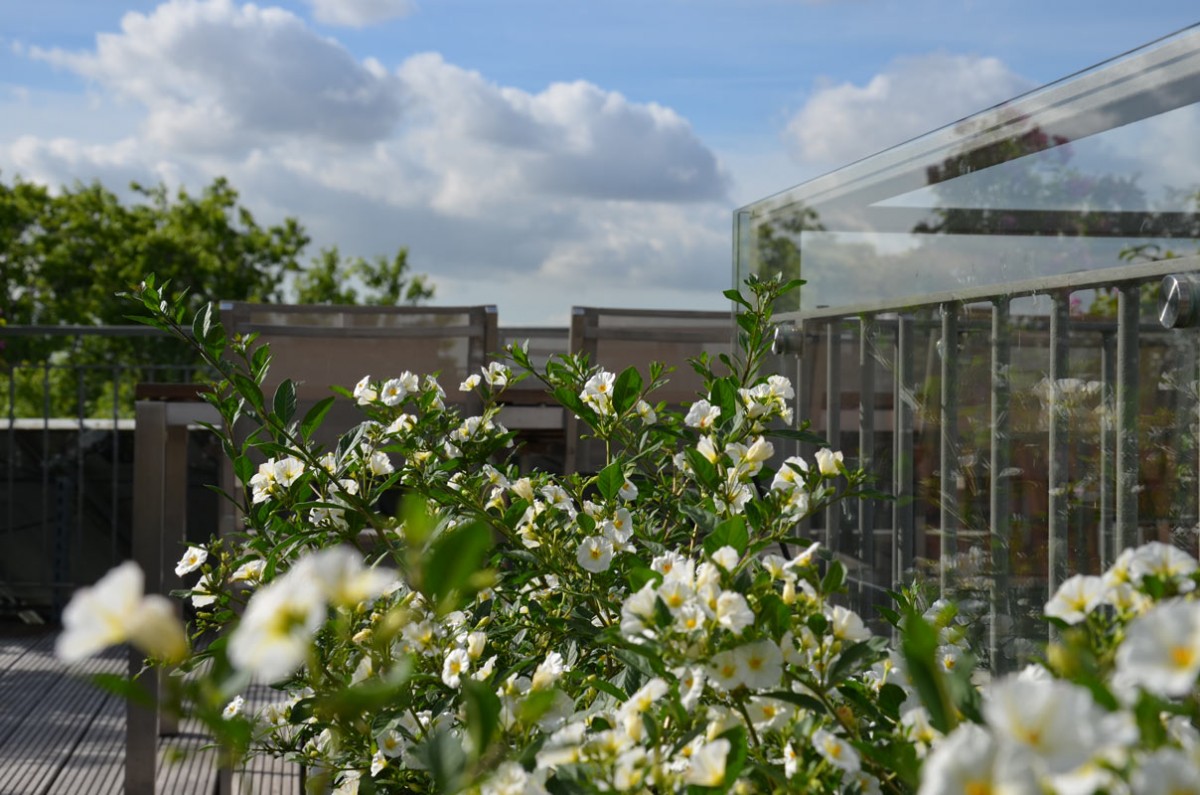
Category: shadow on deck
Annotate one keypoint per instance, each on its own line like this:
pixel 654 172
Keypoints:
pixel 61 735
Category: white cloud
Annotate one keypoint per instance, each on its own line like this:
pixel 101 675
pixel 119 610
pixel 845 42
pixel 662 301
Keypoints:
pixel 359 13
pixel 844 122
pixel 572 139
pixel 515 192
pixel 213 76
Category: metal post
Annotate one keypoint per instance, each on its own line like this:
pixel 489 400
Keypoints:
pixel 833 422
pixel 1126 529
pixel 1059 476
pixel 949 453
pixel 999 491
pixel 903 545
pixel 1108 385
pixel 866 438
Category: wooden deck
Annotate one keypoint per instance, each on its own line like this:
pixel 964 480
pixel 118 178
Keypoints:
pixel 60 735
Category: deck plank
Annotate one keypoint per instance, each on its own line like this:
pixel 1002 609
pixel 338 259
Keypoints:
pixel 61 735
pixel 42 735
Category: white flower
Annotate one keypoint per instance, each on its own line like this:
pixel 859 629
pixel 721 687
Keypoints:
pixel 496 374
pixel 597 392
pixel 1076 597
pixel 646 412
pixel 191 560
pixel 250 571
pixel 707 767
pixel 790 474
pixel 457 663
pixel 273 637
pixel 364 393
pixel 470 383
pixel 393 392
pixel 637 612
pixel 595 554
pixel 733 612
pixel 846 625
pixel 1167 772
pixel 378 763
pixel 628 491
pixel 341 578
pixel 1164 561
pixel 549 671
pixel 768 713
pixel 1055 721
pixel 379 464
pixel 391 743
pixel 970 760
pixel 1161 651
pixel 702 415
pixel 726 557
pixel 725 670
pixel 202 595
pixel 836 751
pixel 233 708
pixel 761 664
pixel 115 610
pixel 829 463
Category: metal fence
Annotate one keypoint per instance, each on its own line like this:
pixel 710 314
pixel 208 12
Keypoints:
pixel 66 469
pixel 998 320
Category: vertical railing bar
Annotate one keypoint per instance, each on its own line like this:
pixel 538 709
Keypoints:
pixel 949 452
pixel 903 537
pixel 1057 553
pixel 45 530
pixel 12 446
pixel 1108 385
pixel 833 422
pixel 805 379
pixel 999 489
pixel 1125 532
pixel 866 438
pixel 79 470
pixel 116 457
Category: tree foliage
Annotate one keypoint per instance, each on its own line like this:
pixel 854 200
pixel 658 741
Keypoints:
pixel 65 253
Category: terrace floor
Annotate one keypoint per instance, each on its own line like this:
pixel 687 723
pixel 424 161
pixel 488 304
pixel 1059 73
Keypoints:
pixel 61 735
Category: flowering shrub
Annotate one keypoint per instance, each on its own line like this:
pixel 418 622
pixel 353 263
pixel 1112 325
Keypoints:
pixel 435 620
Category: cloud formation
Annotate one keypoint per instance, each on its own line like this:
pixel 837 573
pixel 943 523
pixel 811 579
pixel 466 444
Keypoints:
pixel 482 181
pixel 359 13
pixel 213 76
pixel 845 122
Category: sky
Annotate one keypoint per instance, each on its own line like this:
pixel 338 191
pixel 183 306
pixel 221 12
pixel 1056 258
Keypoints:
pixel 531 154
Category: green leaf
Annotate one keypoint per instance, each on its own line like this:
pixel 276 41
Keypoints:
pixel 284 403
pixel 610 480
pixel 775 614
pixel 627 389
pixel 315 416
pixel 456 555
pixel 571 400
pixel 737 297
pixel 445 760
pixel 250 391
pixel 724 394
pixel 855 658
pixel 702 468
pixel 835 576
pixel 124 687
pixel 732 533
pixel 483 714
pixel 918 645
pixel 810 703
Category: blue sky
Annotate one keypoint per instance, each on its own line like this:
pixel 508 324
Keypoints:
pixel 534 154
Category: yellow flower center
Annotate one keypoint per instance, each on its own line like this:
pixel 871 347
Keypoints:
pixel 977 788
pixel 1183 656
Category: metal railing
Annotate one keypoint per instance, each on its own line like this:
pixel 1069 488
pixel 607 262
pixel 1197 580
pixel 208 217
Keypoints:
pixel 1022 448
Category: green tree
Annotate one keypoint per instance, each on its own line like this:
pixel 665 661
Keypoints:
pixel 65 253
